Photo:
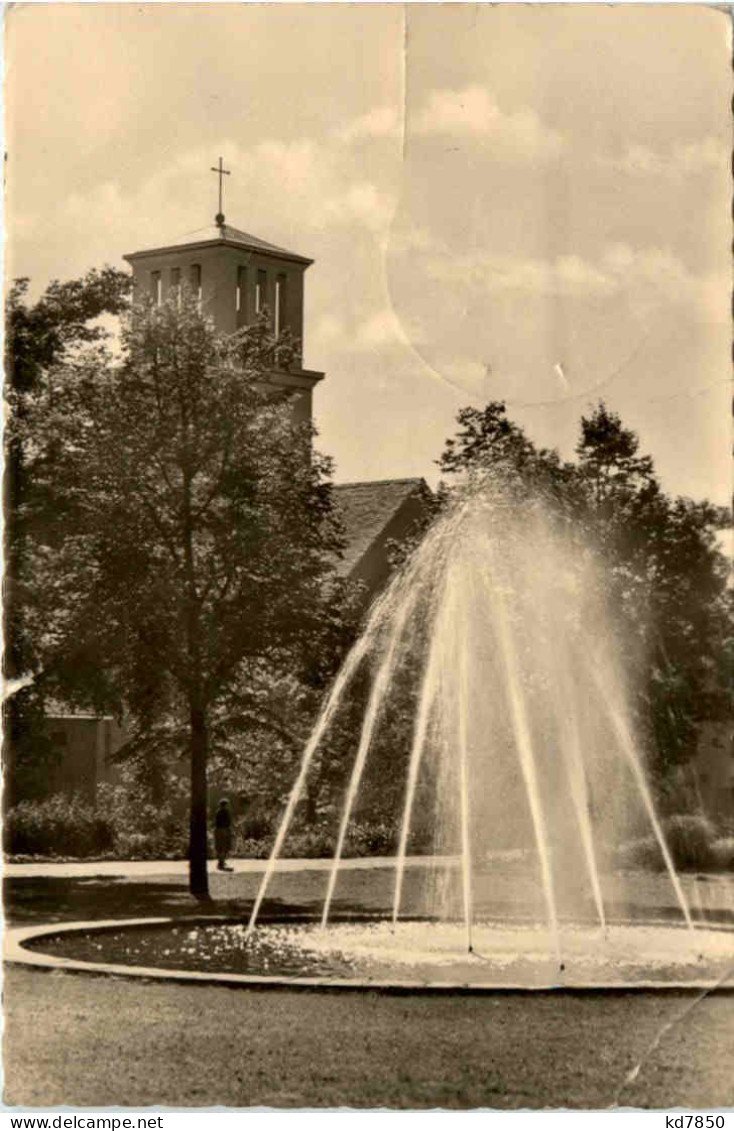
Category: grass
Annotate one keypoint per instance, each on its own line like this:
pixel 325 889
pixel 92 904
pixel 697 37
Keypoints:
pixel 96 1041
pixel 190 1046
pixel 46 899
pixel 42 899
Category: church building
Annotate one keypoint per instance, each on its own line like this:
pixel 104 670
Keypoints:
pixel 235 276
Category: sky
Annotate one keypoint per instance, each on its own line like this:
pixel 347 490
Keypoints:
pixel 518 203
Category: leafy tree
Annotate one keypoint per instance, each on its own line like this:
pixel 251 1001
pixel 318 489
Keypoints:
pixel 262 725
pixel 486 439
pixel 669 583
pixel 196 534
pixel 488 443
pixel 64 318
pixel 609 460
pixel 38 338
pixel 666 576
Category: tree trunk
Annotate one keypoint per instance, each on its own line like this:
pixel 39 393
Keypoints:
pixel 198 876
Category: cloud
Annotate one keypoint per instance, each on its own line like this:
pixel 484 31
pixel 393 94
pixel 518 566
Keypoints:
pixel 473 112
pixel 496 273
pixel 413 238
pixel 380 330
pixel 379 122
pixel 642 282
pixel 285 192
pixel 680 161
pixel 653 276
pixel 645 278
pixel 466 373
pixel 360 203
pixel 319 187
pixel 329 331
pixel 384 329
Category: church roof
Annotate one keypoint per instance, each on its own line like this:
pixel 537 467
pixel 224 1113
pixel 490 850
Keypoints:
pixel 226 235
pixel 366 510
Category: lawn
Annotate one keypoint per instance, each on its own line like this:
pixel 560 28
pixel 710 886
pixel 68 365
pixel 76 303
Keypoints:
pixel 137 892
pixel 95 1041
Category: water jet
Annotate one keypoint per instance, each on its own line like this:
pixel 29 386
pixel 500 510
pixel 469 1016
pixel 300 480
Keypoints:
pixel 498 639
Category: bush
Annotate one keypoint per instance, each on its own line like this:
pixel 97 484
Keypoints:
pixel 691 840
pixel 254 828
pixel 59 825
pixel 252 849
pixel 371 838
pixel 643 852
pixel 318 841
pixel 123 825
pixel 150 846
pixel 723 853
pixel 142 830
pixel 120 824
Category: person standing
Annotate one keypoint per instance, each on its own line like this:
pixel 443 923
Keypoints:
pixel 223 835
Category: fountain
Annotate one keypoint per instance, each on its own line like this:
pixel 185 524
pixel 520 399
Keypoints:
pixel 498 636
pixel 493 677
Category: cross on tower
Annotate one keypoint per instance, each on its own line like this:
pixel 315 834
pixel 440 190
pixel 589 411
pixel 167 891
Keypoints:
pixel 219 218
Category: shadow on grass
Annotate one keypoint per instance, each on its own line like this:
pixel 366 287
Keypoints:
pixel 62 900
pixel 45 899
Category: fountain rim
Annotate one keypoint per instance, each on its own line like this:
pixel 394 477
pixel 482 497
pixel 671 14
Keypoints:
pixel 17 952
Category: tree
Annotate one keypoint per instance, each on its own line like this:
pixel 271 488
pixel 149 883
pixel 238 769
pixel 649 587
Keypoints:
pixel 609 460
pixel 488 443
pixel 486 440
pixel 196 534
pixel 64 318
pixel 39 338
pixel 669 584
pixel 666 578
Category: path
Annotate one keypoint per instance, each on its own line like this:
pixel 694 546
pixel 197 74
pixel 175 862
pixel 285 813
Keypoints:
pixel 133 869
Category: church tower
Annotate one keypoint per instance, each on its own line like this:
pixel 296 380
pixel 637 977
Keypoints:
pixel 235 275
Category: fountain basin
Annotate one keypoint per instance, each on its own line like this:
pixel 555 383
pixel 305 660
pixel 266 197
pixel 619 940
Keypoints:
pixel 372 954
